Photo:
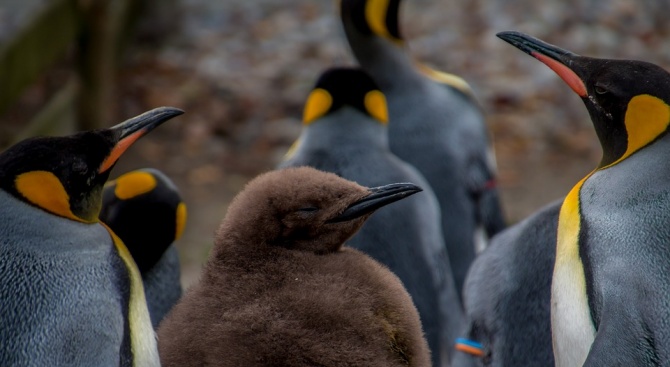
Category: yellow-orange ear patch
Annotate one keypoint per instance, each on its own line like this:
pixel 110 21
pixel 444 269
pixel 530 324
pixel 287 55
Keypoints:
pixel 647 117
pixel 45 190
pixel 181 220
pixel 375 16
pixel 318 103
pixel 375 104
pixel 134 184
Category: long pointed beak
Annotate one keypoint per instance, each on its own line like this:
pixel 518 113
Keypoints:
pixel 131 130
pixel 556 58
pixel 378 197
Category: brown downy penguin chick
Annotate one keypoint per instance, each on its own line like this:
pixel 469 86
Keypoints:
pixel 280 289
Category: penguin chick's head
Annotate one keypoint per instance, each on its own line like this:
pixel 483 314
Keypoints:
pixel 302 209
pixel 628 100
pixel 339 87
pixel 65 175
pixel 374 17
pixel 144 208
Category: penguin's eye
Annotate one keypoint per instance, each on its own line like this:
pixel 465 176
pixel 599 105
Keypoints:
pixel 600 90
pixel 79 167
pixel 309 209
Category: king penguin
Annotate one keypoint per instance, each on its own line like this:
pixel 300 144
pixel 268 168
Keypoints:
pixel 144 208
pixel 610 287
pixel 70 293
pixel 507 296
pixel 436 125
pixel 344 132
pixel 280 289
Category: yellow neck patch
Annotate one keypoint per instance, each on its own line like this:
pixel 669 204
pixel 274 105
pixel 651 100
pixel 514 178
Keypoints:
pixel 142 339
pixel 292 149
pixel 45 190
pixel 569 224
pixel 375 104
pixel 318 103
pixel 134 184
pixel 646 118
pixel 181 220
pixel 375 15
pixel 446 78
pixel 570 315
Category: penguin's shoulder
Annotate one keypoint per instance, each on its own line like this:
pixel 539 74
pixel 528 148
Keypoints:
pixel 27 227
pixel 630 194
pixel 41 294
pixel 624 212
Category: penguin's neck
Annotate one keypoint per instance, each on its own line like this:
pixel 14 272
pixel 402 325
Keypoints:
pixel 388 63
pixel 34 227
pixel 345 128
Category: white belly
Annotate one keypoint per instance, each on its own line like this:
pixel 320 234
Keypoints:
pixel 572 329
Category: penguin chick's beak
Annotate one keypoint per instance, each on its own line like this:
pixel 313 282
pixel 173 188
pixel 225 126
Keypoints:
pixel 378 197
pixel 556 58
pixel 131 130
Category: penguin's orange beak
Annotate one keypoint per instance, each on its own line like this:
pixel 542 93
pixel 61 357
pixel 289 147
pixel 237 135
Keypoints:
pixel 131 130
pixel 556 58
pixel 378 197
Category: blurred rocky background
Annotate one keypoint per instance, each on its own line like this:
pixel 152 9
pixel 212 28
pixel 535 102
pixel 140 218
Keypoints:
pixel 242 69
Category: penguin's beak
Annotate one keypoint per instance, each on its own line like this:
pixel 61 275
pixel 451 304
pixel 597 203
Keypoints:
pixel 378 197
pixel 561 61
pixel 130 130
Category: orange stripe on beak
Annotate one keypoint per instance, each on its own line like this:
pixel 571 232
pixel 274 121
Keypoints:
pixel 568 76
pixel 119 149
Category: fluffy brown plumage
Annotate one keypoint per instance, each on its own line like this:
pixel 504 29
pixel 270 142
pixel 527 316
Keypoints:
pixel 280 290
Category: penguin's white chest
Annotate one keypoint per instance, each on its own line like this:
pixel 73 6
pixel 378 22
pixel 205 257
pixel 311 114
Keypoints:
pixel 573 331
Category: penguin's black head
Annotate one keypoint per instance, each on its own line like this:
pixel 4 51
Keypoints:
pixel 628 101
pixel 339 87
pixel 65 175
pixel 303 209
pixel 374 17
pixel 144 208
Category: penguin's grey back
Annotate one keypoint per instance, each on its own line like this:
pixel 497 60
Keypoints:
pixel 441 131
pixel 58 306
pixel 162 285
pixel 443 135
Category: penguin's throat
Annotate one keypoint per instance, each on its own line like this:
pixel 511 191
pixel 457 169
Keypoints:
pixel 88 207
